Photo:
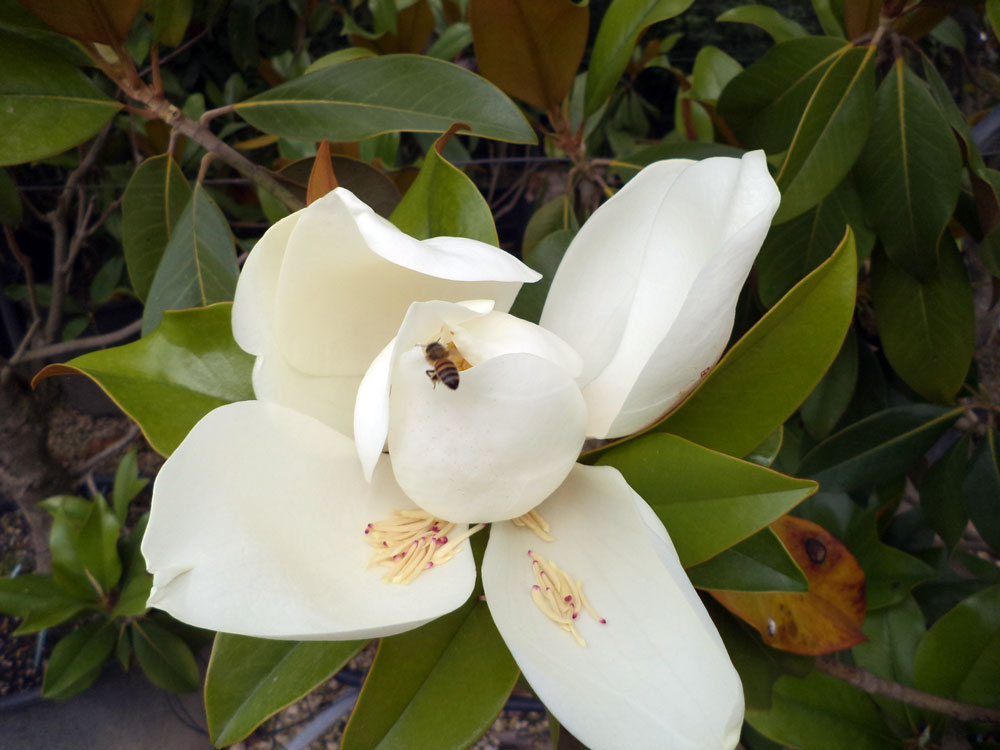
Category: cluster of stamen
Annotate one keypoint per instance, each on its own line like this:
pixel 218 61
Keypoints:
pixel 412 541
pixel 533 520
pixel 559 597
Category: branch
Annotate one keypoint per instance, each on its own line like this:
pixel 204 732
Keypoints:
pixel 870 683
pixel 86 466
pixel 89 342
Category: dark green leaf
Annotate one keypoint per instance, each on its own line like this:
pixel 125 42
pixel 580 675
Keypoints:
pixel 941 493
pixel 127 484
pixel 170 379
pixel 164 657
pixel 132 599
pixel 457 660
pixel 628 167
pixel 759 563
pixel 620 29
pixel 38 601
pixel 556 215
pixel 361 98
pixel 878 448
pixel 68 570
pixel 909 172
pixel 74 327
pixel 46 104
pixel 707 500
pixel 123 649
pixel 77 509
pixel 826 405
pixel 754 389
pixel 249 679
pixel 982 490
pixel 927 328
pixel 780 28
pixel 959 657
pixel 106 279
pixel 544 258
pixel 764 103
pixel 198 265
pixel 831 133
pixel 97 545
pixel 768 449
pixel 170 21
pixel 154 201
pixel 890 573
pixel 76 660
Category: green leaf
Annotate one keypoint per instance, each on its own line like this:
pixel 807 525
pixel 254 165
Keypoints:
pixel 993 14
pixel 822 713
pixel 38 601
pixel 768 449
pixel 455 38
pixel 127 484
pixel 830 15
pixel 134 594
pixel 170 21
pixel 830 134
pixel 170 379
pixel 198 265
pixel 707 500
pixel 544 258
pixel 97 545
pixel 941 493
pixel 759 563
pixel 164 657
pixel 551 217
pixel 764 103
pixel 46 104
pixel 623 23
pixel 249 679
pixel 457 660
pixel 10 200
pixel 154 201
pixel 443 201
pixel 982 490
pixel 713 70
pixel 959 657
pixel 878 448
pixel 105 281
pixel 77 659
pixel 828 402
pixel 361 98
pixel 68 569
pixel 767 374
pixel 927 328
pixel 780 28
pixel 629 166
pixel 910 172
pixel 136 583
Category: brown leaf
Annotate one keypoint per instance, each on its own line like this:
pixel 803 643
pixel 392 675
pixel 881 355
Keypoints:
pixel 530 48
pixel 824 619
pixel 860 16
pixel 414 26
pixel 104 21
pixel 321 178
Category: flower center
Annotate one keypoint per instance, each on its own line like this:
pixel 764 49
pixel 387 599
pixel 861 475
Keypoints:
pixel 533 520
pixel 412 541
pixel 559 597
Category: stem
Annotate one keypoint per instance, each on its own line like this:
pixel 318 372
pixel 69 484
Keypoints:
pixel 870 683
pixel 90 342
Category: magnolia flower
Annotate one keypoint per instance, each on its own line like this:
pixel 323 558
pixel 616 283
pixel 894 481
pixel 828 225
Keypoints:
pixel 267 520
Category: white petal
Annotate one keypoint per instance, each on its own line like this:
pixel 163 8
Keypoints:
pixel 349 276
pixel 257 528
pixel 492 449
pixel 684 269
pixel 492 335
pixel 253 306
pixel 656 675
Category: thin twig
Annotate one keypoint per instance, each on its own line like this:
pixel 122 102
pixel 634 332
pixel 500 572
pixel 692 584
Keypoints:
pixel 110 450
pixel 870 683
pixel 211 114
pixel 29 277
pixel 166 58
pixel 89 342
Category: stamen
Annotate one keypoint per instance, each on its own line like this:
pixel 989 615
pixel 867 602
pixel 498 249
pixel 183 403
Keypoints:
pixel 558 596
pixel 412 541
pixel 534 521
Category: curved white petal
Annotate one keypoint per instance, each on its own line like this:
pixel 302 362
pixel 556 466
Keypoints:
pixel 656 675
pixel 257 527
pixel 492 449
pixel 348 277
pixel 480 339
pixel 681 265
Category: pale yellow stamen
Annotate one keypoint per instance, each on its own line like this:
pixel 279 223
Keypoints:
pixel 412 541
pixel 534 521
pixel 558 596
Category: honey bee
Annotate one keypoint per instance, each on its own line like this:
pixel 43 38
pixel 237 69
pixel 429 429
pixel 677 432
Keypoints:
pixel 444 369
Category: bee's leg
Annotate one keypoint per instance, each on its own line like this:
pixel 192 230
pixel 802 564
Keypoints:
pixel 433 376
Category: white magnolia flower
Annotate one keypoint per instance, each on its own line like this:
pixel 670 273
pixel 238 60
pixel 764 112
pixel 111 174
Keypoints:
pixel 266 519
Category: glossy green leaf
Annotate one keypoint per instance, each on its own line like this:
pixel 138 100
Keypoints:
pixel 97 545
pixel 793 249
pixel 198 265
pixel 420 676
pixel 38 601
pixel 154 201
pixel 68 569
pixel 134 594
pixel 764 103
pixel 164 657
pixel 170 379
pixel 544 258
pixel 828 402
pixel 927 328
pixel 127 484
pixel 755 387
pixel 959 657
pixel 878 448
pixel 822 713
pixel 707 500
pixel 768 449
pixel 443 201
pixel 249 679
pixel 941 493
pixel 763 17
pixel 46 104
pixel 623 23
pixel 758 563
pixel 830 134
pixel 364 97
pixel 10 200
pixel 713 70
pixel 909 172
pixel 76 660
pixel 450 44
pixel 982 490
